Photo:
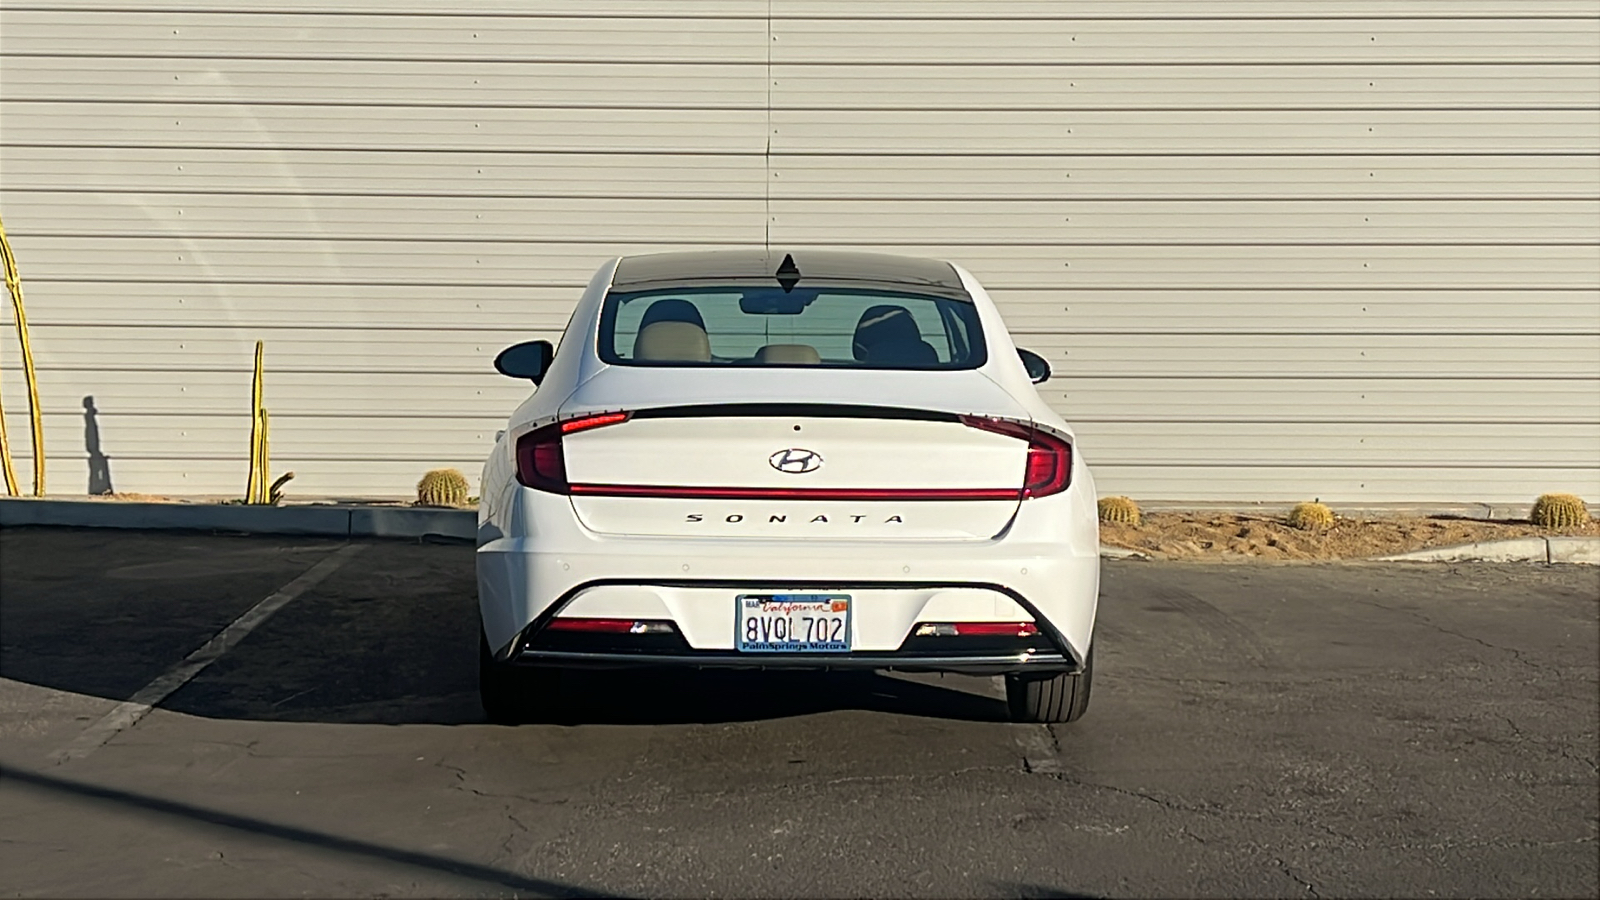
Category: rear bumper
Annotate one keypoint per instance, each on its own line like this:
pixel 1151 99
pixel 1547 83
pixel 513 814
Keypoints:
pixel 1048 652
pixel 536 559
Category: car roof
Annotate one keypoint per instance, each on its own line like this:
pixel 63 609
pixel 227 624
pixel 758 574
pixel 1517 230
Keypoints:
pixel 832 268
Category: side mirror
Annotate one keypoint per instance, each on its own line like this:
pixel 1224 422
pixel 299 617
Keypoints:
pixel 530 360
pixel 1038 369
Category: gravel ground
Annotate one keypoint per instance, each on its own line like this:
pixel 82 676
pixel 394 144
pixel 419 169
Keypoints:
pixel 1224 537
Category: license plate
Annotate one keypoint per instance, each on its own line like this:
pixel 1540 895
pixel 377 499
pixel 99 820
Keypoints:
pixel 792 623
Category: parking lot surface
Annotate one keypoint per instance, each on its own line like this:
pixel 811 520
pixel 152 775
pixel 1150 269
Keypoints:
pixel 1290 731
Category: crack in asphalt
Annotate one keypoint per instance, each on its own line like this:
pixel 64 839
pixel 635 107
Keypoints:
pixel 1211 812
pixel 1151 798
pixel 1591 763
pixel 1499 845
pixel 505 845
pixel 1515 653
pixel 461 784
pixel 1515 731
pixel 1284 867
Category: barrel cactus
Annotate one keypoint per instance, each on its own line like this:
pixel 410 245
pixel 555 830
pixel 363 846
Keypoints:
pixel 1559 511
pixel 1311 517
pixel 443 487
pixel 1119 511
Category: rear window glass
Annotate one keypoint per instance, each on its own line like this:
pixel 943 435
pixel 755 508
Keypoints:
pixel 764 326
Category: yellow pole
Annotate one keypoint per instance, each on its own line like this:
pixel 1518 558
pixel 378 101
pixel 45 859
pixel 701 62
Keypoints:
pixel 253 486
pixel 35 416
pixel 5 455
pixel 265 463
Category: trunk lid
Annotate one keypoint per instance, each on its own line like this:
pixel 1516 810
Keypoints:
pixel 818 458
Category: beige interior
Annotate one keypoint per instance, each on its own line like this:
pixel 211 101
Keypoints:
pixel 788 354
pixel 672 342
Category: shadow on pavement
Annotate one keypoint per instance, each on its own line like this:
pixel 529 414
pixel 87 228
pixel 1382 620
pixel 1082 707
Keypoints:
pixel 671 697
pixel 390 638
pixel 128 801
pixel 1037 892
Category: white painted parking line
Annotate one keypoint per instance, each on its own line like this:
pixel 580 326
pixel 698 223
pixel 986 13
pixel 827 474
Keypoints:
pixel 130 711
pixel 1037 744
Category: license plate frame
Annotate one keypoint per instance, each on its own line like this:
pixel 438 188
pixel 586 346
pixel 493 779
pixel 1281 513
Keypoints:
pixel 792 609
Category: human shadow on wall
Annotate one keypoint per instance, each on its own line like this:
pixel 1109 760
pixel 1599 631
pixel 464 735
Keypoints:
pixel 99 465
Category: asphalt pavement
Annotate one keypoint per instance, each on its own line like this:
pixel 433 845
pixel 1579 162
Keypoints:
pixel 1255 730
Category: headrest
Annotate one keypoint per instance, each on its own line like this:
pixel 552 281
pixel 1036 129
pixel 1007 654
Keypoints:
pixel 884 323
pixel 671 309
pixel 903 353
pixel 788 354
pixel 672 342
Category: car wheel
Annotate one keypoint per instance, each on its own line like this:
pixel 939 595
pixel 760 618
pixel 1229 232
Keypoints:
pixel 1063 698
pixel 512 695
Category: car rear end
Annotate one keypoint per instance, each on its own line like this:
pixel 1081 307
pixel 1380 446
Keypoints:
pixel 759 509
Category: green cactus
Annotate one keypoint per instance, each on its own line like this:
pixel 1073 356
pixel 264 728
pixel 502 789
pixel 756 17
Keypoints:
pixel 1119 511
pixel 1311 517
pixel 1559 511
pixel 442 487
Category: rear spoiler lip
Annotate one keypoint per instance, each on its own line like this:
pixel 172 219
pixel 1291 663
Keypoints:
pixel 825 410
pixel 792 408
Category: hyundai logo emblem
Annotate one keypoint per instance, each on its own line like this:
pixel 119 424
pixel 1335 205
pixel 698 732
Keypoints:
pixel 796 460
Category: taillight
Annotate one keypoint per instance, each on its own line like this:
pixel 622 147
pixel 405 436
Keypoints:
pixel 541 463
pixel 610 626
pixel 1049 466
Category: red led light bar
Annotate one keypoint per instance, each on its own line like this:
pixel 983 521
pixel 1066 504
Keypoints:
pixel 584 423
pixel 609 626
pixel 761 493
pixel 993 629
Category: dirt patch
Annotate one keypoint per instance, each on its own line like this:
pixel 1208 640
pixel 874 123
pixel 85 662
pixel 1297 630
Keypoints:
pixel 1226 537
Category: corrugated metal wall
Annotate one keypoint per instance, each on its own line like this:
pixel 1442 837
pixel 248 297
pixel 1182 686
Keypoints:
pixel 1273 248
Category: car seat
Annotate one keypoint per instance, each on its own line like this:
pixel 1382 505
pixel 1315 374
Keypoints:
pixel 788 355
pixel 672 309
pixel 669 341
pixel 888 335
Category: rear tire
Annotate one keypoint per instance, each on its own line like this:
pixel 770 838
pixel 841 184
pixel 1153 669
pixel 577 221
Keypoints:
pixel 1063 698
pixel 511 694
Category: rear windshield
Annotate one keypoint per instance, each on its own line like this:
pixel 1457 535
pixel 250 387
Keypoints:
pixel 764 326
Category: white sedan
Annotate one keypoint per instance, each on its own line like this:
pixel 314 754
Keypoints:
pixel 816 460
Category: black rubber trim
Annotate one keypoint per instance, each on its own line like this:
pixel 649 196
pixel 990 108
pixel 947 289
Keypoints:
pixel 759 266
pixel 820 282
pixel 789 410
pixel 1048 663
pixel 1046 628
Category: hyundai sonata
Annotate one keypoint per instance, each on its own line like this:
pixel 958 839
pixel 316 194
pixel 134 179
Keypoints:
pixel 807 460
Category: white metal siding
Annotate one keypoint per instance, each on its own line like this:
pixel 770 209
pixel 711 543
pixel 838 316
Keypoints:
pixel 1273 248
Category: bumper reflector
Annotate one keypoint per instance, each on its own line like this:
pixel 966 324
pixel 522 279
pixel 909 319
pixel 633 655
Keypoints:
pixel 976 629
pixel 610 626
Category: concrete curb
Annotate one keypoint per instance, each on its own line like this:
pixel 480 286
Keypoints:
pixel 1485 512
pixel 462 524
pixel 318 521
pixel 1578 550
